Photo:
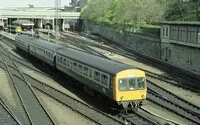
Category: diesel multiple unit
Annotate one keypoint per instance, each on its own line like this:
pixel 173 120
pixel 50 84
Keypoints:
pixel 121 83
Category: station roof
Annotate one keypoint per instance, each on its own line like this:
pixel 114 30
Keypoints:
pixel 189 23
pixel 41 13
pixel 23 22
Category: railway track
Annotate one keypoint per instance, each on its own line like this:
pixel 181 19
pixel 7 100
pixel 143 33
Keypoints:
pixel 34 110
pixel 190 111
pixel 58 96
pixel 173 107
pixel 6 115
pixel 134 119
pixel 76 105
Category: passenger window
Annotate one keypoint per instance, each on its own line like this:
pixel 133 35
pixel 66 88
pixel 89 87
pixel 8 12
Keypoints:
pixel 80 68
pixel 75 66
pixel 67 62
pixel 104 79
pixel 85 71
pixel 97 76
pixel 61 60
pixel 58 59
pixel 71 64
pixel 51 56
pixel 90 73
pixel 64 61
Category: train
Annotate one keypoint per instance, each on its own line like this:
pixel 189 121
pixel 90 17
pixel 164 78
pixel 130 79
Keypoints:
pixel 20 26
pixel 14 29
pixel 120 83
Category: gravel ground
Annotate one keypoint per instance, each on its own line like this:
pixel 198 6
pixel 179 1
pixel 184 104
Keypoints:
pixel 11 98
pixel 61 114
pixel 49 81
pixel 191 97
pixel 5 90
pixel 162 113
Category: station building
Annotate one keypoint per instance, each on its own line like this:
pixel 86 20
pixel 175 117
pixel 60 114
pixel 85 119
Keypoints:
pixel 180 44
pixel 43 17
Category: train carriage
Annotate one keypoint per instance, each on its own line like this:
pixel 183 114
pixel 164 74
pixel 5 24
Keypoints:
pixel 44 50
pixel 121 83
pixel 22 42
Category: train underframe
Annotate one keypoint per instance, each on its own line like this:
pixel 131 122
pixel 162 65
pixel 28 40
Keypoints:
pixel 129 106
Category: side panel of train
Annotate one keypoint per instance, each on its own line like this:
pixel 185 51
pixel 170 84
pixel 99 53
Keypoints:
pixel 43 54
pixel 22 45
pixel 98 80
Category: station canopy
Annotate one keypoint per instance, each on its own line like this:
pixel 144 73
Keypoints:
pixel 23 22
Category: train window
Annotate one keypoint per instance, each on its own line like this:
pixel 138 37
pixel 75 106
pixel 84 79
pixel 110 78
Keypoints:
pixel 104 79
pixel 123 84
pixel 97 76
pixel 74 66
pixel 90 73
pixel 61 60
pixel 57 59
pixel 71 63
pixel 132 84
pixel 85 71
pixel 51 56
pixel 64 61
pixel 67 62
pixel 141 83
pixel 80 68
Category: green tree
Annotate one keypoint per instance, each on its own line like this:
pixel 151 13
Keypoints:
pixel 123 12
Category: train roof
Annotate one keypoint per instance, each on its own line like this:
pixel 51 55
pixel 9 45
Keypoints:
pixel 45 44
pixel 100 63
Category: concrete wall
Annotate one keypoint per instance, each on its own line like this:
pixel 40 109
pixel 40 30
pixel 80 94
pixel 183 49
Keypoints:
pixel 185 57
pixel 137 43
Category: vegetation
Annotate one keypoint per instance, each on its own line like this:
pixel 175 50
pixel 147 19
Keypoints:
pixel 135 14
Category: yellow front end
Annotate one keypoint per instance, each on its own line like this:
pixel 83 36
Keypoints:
pixel 129 92
pixel 18 29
